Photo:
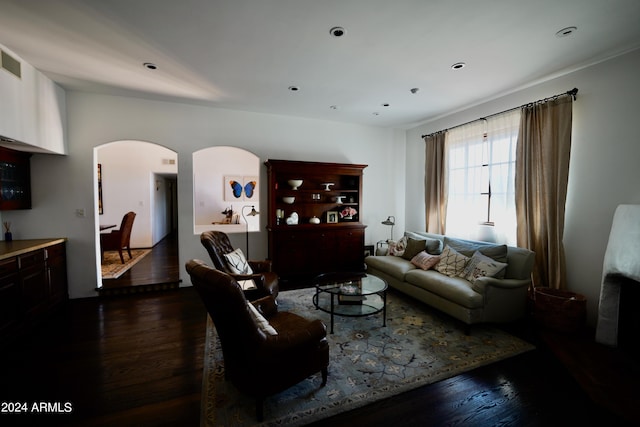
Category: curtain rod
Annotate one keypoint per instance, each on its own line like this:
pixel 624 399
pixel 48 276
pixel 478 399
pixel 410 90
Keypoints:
pixel 573 92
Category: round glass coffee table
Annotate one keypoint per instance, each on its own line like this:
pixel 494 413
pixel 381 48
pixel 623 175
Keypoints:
pixel 351 295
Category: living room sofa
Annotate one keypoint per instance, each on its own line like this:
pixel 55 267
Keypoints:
pixel 478 298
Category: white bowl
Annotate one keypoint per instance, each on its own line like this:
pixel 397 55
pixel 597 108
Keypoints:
pixel 289 200
pixel 295 183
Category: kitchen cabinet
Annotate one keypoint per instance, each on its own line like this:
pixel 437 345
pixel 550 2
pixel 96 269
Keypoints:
pixel 15 180
pixel 328 203
pixel 33 283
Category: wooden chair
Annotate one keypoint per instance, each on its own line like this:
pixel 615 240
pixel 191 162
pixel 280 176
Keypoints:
pixel 257 361
pixel 266 281
pixel 119 239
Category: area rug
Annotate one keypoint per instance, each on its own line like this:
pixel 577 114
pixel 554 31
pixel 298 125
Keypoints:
pixel 112 267
pixel 368 362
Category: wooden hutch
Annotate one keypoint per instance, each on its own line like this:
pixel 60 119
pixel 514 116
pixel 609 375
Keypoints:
pixel 326 238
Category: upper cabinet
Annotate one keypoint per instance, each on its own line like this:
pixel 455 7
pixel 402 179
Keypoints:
pixel 33 108
pixel 15 183
pixel 317 193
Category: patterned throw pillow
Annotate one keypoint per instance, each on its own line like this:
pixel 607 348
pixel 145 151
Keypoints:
pixel 482 266
pixel 398 248
pixel 237 262
pixel 452 263
pixel 261 322
pixel 425 260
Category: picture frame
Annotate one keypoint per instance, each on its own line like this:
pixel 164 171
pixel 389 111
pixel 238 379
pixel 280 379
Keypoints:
pixel 240 188
pixel 368 250
pixel 332 217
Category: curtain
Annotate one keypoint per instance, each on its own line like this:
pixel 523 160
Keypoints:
pixel 435 183
pixel 542 170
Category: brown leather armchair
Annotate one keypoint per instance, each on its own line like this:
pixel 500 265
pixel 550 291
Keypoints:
pixel 218 244
pixel 118 239
pixel 257 363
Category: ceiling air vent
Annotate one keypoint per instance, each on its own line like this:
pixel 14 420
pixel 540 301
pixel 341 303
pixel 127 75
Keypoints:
pixel 10 64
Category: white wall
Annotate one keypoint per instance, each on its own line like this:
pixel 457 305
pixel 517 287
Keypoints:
pixel 62 184
pixel 604 168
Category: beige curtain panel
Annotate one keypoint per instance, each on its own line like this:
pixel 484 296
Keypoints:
pixel 435 183
pixel 542 171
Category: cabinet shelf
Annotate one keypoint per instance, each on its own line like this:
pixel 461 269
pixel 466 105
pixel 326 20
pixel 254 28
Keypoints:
pixel 305 249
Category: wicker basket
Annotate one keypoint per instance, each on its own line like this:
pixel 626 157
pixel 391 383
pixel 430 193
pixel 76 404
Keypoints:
pixel 559 310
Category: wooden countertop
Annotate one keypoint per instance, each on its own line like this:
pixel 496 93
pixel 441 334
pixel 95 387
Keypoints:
pixel 19 247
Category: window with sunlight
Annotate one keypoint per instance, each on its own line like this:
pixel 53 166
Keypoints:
pixel 481 160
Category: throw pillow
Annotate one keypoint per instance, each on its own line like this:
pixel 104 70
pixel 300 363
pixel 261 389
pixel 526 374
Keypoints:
pixel 425 260
pixel 413 248
pixel 397 248
pixel 237 262
pixel 434 246
pixel 468 248
pixel 452 263
pixel 261 322
pixel 482 266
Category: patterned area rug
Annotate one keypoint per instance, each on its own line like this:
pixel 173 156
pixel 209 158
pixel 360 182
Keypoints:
pixel 368 362
pixel 112 267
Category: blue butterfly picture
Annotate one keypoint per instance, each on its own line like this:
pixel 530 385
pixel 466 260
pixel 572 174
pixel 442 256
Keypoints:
pixel 237 188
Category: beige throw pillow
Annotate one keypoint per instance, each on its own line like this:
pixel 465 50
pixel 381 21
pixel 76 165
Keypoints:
pixel 452 263
pixel 482 266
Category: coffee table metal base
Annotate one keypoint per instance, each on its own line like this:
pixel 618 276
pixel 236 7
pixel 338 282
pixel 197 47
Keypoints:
pixel 371 299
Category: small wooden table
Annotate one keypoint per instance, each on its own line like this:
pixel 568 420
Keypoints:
pixel 351 295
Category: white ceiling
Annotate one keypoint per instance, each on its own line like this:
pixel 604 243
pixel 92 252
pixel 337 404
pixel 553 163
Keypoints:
pixel 245 54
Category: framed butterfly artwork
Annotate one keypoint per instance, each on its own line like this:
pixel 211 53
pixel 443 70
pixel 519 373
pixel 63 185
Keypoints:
pixel 239 188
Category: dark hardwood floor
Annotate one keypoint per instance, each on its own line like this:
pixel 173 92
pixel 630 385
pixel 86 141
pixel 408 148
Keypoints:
pixel 136 360
pixel 158 270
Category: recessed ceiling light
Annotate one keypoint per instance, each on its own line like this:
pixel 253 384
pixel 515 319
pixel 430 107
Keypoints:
pixel 386 104
pixel 376 113
pixel 334 107
pixel 566 31
pixel 414 90
pixel 294 88
pixel 337 32
pixel 150 66
pixel 458 66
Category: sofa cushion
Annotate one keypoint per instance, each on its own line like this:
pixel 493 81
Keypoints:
pixel 394 266
pixel 425 260
pixel 469 247
pixel 452 262
pixel 454 289
pixel 414 247
pixel 482 266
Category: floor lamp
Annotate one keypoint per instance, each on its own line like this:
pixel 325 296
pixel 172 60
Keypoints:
pixel 253 212
pixel 391 220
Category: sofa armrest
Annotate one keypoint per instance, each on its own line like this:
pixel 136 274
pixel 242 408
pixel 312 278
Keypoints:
pixel 482 283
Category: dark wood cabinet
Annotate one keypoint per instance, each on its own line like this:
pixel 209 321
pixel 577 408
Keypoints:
pixel 33 283
pixel 15 180
pixel 331 196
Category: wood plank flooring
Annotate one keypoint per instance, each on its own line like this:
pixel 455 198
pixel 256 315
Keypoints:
pixel 136 360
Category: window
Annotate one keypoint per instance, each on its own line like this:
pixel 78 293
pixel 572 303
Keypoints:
pixel 480 179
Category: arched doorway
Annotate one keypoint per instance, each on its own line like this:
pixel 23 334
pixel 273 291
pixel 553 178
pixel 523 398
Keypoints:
pixel 140 177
